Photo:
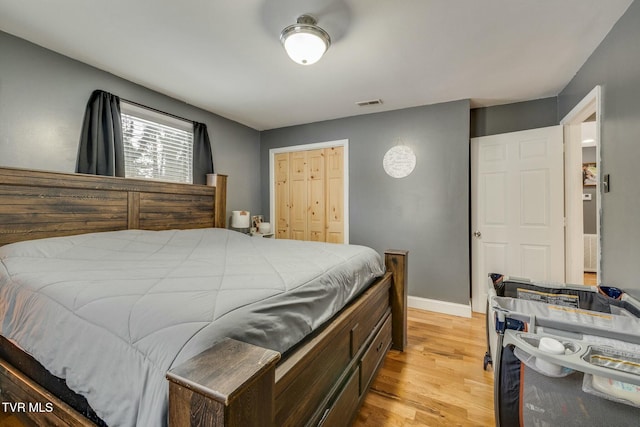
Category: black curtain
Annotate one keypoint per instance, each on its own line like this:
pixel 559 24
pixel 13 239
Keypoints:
pixel 202 160
pixel 101 150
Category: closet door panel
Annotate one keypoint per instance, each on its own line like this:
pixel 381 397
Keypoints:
pixel 298 189
pixel 334 177
pixel 282 195
pixel 316 220
pixel 309 199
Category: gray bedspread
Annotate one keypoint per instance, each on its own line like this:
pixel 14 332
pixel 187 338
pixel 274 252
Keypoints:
pixel 112 312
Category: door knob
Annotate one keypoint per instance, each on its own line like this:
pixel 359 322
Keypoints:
pixel 477 234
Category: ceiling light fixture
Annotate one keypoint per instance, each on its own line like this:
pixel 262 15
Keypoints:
pixel 304 41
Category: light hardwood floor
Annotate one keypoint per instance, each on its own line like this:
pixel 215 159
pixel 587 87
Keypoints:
pixel 438 380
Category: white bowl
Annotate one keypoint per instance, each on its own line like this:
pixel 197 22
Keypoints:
pixel 264 228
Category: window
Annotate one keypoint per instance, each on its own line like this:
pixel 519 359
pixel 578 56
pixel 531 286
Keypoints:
pixel 156 145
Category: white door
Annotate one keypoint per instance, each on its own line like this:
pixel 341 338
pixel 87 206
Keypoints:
pixel 517 208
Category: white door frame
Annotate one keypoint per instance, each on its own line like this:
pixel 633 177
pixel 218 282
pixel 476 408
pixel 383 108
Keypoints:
pixel 574 240
pixel 305 147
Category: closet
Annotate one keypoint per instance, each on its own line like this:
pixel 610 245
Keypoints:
pixel 309 195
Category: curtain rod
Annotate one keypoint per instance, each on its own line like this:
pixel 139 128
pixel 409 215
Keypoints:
pixel 156 110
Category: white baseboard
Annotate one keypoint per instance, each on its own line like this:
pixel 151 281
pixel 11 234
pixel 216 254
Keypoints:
pixel 445 307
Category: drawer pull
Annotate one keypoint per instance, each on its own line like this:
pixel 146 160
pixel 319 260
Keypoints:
pixel 324 416
pixel 374 356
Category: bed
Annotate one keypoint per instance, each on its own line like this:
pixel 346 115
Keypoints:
pixel 240 380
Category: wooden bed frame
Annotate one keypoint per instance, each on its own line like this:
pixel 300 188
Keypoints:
pixel 322 381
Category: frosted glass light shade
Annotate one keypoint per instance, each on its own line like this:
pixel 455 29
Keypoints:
pixel 305 48
pixel 399 161
pixel 304 41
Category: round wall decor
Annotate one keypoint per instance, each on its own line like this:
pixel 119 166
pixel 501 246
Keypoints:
pixel 399 161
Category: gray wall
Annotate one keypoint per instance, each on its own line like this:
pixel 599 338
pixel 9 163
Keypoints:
pixel 614 65
pixel 42 101
pixel 514 117
pixel 589 207
pixel 426 212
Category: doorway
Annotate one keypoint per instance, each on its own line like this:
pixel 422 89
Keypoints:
pixel 575 242
pixel 517 208
pixel 583 207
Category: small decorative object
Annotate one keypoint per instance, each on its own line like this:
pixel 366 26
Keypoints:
pixel 399 161
pixel 255 221
pixel 211 179
pixel 241 220
pixel 264 228
pixel 589 174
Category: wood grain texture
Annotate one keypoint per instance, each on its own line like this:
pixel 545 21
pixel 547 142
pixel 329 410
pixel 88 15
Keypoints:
pixel 374 355
pixel 298 194
pixel 220 201
pixel 342 414
pixel 396 262
pixel 230 384
pixel 16 387
pixel 590 279
pixel 310 383
pixel 282 195
pixel 316 196
pixel 235 379
pixel 307 378
pixel 38 204
pixel 439 379
pixel 225 370
pixel 309 195
pixel 133 210
pixel 334 160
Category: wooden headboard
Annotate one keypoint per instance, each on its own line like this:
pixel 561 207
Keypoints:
pixel 38 204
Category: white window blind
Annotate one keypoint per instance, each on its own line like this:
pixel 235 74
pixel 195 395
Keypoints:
pixel 156 146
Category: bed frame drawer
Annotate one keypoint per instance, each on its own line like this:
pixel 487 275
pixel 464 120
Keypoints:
pixel 367 322
pixel 375 354
pixel 332 360
pixel 346 403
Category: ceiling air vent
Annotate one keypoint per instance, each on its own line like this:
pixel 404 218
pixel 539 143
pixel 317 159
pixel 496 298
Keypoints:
pixel 370 102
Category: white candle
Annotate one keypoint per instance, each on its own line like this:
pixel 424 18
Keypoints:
pixel 240 219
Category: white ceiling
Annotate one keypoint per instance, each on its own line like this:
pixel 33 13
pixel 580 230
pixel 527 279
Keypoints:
pixel 225 56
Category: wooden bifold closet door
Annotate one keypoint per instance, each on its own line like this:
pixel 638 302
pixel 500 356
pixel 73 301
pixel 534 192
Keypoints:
pixel 310 195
